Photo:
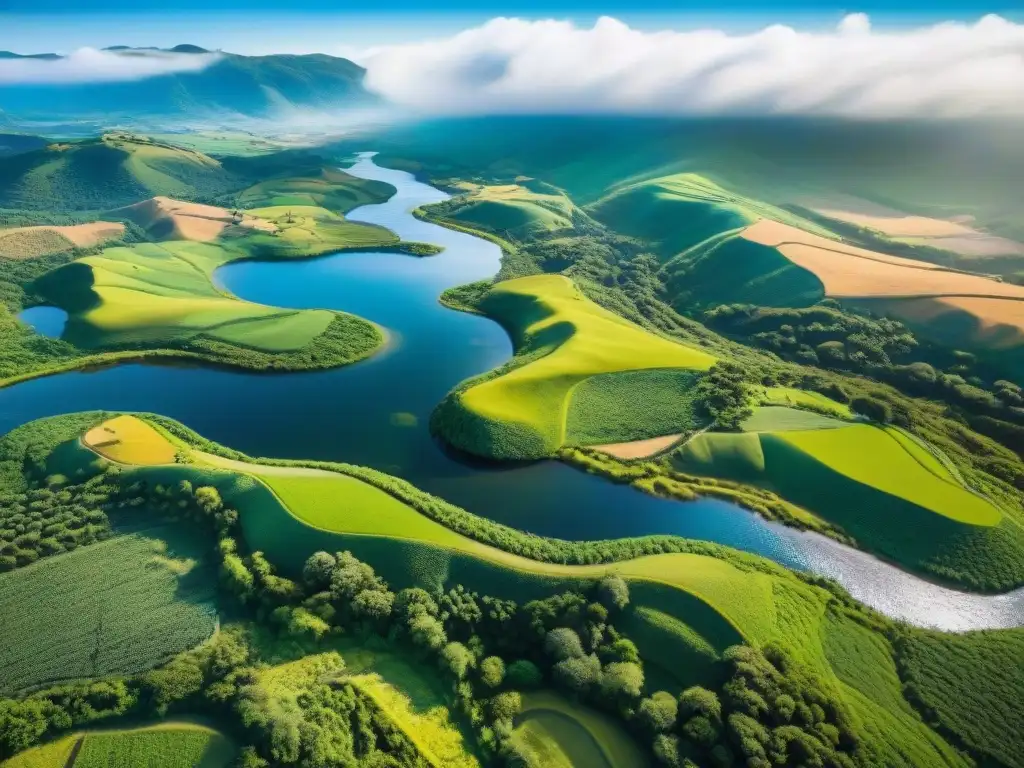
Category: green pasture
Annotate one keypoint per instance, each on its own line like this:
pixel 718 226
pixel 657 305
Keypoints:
pixel 885 489
pixel 604 408
pixel 779 418
pixel 172 744
pixel 558 733
pixel 161 294
pixel 679 211
pixel 801 398
pixel 308 230
pixel 973 682
pixel 566 339
pixel 76 615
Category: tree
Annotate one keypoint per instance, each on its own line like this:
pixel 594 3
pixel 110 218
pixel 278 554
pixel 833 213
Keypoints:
pixel 208 499
pixel 874 409
pixel 622 679
pixel 318 570
pixel 613 592
pixel 505 706
pixel 523 674
pixel 492 671
pixel 351 577
pixel 413 602
pixel 658 712
pixel 374 604
pixel 563 643
pixel 457 659
pixel 578 674
pixel 427 632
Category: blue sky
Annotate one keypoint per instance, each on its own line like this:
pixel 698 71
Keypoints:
pixel 337 26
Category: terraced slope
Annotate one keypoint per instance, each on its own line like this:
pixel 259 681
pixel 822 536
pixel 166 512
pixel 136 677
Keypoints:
pixel 562 339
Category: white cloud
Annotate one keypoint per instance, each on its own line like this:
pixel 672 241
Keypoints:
pixel 88 65
pixel 513 65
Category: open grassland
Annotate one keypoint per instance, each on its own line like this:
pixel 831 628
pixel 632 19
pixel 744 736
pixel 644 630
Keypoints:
pixel 560 734
pixel 172 744
pixel 129 440
pixel 510 210
pixel 968 685
pixel 435 737
pixel 847 272
pixel 778 418
pixel 562 340
pixel 801 398
pixel 34 242
pixel 655 209
pixel 76 615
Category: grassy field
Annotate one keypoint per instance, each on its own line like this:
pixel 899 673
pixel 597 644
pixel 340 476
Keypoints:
pixel 171 744
pixel 436 738
pixel 511 210
pixel 566 339
pixel 309 230
pixel 878 485
pixel 652 210
pixel 560 734
pixel 968 683
pixel 76 615
pixel 34 242
pixel 161 294
pixel 603 408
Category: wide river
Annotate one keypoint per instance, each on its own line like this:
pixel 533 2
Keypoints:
pixel 376 413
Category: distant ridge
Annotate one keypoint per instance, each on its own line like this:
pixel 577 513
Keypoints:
pixel 252 86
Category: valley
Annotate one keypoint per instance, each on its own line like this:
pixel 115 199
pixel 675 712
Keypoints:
pixel 479 414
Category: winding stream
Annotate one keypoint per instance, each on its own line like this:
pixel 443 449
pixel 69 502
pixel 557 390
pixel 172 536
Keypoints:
pixel 376 413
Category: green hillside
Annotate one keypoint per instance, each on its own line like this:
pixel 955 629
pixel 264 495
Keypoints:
pixel 887 490
pixel 109 172
pixel 562 340
pixel 680 211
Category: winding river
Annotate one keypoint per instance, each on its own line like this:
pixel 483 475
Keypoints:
pixel 376 413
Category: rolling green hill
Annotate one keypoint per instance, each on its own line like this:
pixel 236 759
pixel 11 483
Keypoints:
pixel 112 171
pixel 683 210
pixel 562 340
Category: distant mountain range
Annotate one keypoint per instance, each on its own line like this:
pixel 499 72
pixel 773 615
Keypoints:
pixel 254 86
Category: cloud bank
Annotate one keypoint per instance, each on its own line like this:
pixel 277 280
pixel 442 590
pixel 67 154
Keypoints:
pixel 88 65
pixel 515 66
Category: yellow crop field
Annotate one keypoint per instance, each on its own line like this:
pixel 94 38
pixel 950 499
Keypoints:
pixel 129 440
